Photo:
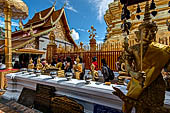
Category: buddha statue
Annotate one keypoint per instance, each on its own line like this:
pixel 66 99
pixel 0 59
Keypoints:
pixel 94 73
pixel 144 63
pixel 59 64
pixel 31 64
pixel 52 37
pixel 78 69
pixel 39 65
pixel 46 66
pixel 60 49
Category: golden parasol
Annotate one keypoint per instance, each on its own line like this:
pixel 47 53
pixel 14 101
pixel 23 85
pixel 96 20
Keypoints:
pixel 11 9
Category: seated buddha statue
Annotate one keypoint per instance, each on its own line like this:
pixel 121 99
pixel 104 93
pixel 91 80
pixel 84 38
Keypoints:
pixel 94 69
pixel 39 65
pixel 78 68
pixel 46 66
pixel 59 64
pixel 31 64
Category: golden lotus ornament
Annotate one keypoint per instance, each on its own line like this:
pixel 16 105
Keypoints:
pixel 11 9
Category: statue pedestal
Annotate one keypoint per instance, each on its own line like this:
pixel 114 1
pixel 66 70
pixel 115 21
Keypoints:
pixel 92 44
pixel 51 50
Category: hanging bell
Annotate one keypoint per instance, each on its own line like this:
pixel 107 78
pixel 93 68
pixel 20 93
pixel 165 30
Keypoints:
pixel 153 6
pixel 154 13
pixel 138 9
pixel 138 17
pixel 127 14
pixel 169 6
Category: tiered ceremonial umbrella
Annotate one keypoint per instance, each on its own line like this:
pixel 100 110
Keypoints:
pixel 11 9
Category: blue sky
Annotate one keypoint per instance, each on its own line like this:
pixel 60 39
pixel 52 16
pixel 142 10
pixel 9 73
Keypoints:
pixel 81 14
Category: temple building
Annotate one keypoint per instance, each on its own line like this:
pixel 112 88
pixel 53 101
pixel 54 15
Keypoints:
pixel 33 37
pixel 113 20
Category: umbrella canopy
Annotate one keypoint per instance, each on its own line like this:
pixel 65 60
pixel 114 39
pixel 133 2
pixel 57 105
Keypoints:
pixel 18 8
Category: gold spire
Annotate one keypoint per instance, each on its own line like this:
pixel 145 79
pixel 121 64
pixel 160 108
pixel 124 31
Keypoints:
pixel 147 17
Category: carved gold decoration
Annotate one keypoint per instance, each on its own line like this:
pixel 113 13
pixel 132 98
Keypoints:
pixel 145 90
pixel 31 64
pixel 113 15
pixel 11 9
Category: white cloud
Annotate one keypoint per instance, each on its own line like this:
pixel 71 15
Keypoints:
pixel 96 36
pixel 99 41
pixel 75 34
pixel 15 24
pixel 101 7
pixel 69 7
pixel 82 30
pixel 2 24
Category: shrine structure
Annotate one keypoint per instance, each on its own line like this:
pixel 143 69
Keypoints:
pixel 34 36
pixel 113 20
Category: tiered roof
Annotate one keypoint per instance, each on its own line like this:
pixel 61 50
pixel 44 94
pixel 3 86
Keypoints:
pixel 42 23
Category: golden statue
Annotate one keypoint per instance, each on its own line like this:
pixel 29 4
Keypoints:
pixel 31 64
pixel 46 66
pixel 52 37
pixel 60 49
pixel 59 65
pixel 146 90
pixel 39 65
pixel 94 73
pixel 78 69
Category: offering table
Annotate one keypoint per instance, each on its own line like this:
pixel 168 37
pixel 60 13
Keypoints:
pixel 89 95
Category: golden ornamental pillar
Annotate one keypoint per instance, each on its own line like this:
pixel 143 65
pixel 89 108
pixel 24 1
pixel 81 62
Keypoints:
pixel 92 40
pixel 8 44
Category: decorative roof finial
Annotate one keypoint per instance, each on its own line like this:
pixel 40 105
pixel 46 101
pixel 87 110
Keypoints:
pixel 65 4
pixel 54 3
pixel 147 17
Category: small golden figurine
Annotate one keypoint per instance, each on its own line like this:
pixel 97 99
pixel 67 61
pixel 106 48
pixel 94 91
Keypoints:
pixel 31 64
pixel 39 65
pixel 59 64
pixel 46 66
pixel 78 68
pixel 94 73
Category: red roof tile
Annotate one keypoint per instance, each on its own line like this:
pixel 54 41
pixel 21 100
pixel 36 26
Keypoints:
pixel 36 17
pixel 54 17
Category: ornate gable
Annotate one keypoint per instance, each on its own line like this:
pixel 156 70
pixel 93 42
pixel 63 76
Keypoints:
pixel 60 31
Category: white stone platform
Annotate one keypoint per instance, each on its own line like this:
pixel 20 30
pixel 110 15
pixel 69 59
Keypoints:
pixel 85 94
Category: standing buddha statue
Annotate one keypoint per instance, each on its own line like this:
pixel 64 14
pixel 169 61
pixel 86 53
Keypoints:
pixel 78 68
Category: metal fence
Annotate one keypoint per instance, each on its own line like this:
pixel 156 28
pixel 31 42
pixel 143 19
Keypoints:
pixel 110 56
